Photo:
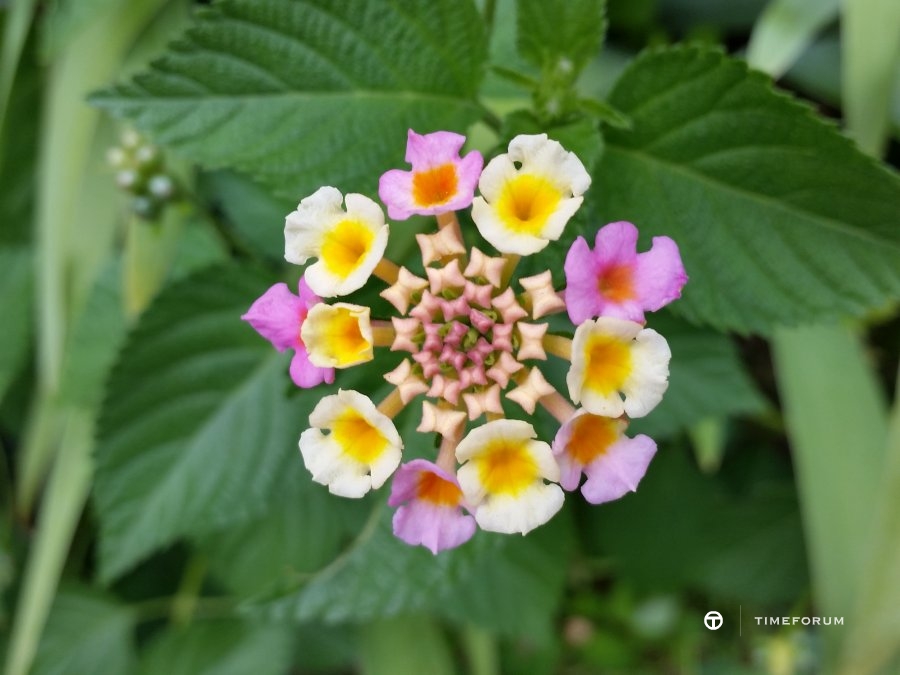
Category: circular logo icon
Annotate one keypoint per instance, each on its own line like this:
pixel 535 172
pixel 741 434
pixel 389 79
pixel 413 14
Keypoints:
pixel 713 620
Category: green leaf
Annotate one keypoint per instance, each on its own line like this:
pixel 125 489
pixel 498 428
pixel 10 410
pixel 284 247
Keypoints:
pixel 560 35
pixel 301 94
pixel 706 380
pixel 829 410
pixel 197 426
pixel 303 530
pixel 509 584
pixel 220 647
pixel 409 645
pixel 870 44
pixel 16 274
pixel 778 217
pixel 86 633
pixel 742 543
pixel 785 29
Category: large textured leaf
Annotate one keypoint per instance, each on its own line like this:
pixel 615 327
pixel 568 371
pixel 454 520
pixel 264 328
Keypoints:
pixel 779 218
pixel 511 584
pixel 86 633
pixel 197 425
pixel 310 92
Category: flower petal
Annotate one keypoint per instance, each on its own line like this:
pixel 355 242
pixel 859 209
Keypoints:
pixel 277 315
pixel 619 470
pixel 659 274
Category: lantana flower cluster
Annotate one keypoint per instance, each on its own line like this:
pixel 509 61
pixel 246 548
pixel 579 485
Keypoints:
pixel 471 336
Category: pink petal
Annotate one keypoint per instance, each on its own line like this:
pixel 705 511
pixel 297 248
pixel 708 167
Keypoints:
pixel 583 299
pixel 305 374
pixel 616 244
pixel 430 150
pixel 619 470
pixel 395 188
pixel 659 274
pixel 277 315
pixel 436 528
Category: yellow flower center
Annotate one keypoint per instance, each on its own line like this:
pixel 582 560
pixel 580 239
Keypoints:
pixel 507 467
pixel 345 245
pixel 432 488
pixel 358 438
pixel 435 186
pixel 527 202
pixel 336 333
pixel 608 363
pixel 616 283
pixel 591 437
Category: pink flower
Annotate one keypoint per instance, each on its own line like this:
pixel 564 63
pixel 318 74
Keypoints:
pixel 429 515
pixel 595 445
pixel 440 180
pixel 615 280
pixel 278 315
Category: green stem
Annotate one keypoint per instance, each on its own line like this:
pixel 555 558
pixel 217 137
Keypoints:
pixel 186 600
pixel 481 651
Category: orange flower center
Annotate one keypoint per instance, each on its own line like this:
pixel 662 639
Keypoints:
pixel 608 364
pixel 616 283
pixel 507 468
pixel 435 186
pixel 432 488
pixel 591 437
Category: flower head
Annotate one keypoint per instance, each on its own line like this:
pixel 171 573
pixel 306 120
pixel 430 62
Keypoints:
pixel 597 446
pixel 348 243
pixel 522 209
pixel 361 450
pixel 612 356
pixel 504 474
pixel 615 280
pixel 430 512
pixel 278 315
pixel 338 335
pixel 440 180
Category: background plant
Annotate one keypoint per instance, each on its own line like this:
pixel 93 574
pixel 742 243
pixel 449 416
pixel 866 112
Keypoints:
pixel 156 514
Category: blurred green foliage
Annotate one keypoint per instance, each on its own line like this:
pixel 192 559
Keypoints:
pixel 156 517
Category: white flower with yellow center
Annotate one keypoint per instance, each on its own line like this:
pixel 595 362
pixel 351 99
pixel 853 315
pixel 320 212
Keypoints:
pixel 611 357
pixel 338 335
pixel 348 244
pixel 361 449
pixel 522 209
pixel 503 477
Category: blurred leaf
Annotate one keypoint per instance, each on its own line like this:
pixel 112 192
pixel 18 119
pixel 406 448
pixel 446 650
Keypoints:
pixel 16 306
pixel 706 380
pixel 302 531
pixel 708 439
pixel 301 94
pixel 560 36
pixel 870 59
pixel 65 19
pixel 86 632
pixel 196 426
pixel 835 418
pixel 873 639
pixel 784 30
pixel 509 584
pixel 410 645
pixel 219 647
pixel 778 217
pixel 683 529
pixel 96 336
pixel 257 216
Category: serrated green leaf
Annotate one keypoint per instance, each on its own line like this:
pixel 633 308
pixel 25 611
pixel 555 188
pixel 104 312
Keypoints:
pixel 311 92
pixel 509 584
pixel 221 647
pixel 197 425
pixel 560 35
pixel 86 633
pixel 778 217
